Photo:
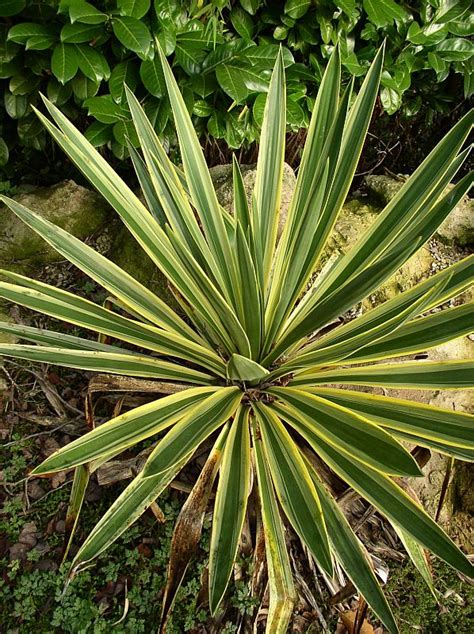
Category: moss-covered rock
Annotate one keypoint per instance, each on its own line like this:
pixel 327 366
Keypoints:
pixel 356 217
pixel 383 188
pixel 458 227
pixel 76 209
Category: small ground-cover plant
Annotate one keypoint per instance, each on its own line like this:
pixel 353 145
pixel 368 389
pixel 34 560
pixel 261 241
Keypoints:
pixel 32 592
pixel 251 354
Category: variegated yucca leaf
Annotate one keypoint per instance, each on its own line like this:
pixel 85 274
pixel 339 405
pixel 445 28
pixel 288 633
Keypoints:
pixel 252 363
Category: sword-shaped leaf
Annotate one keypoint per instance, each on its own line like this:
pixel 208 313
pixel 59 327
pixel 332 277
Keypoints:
pixel 76 500
pixel 352 555
pixel 168 189
pixel 81 312
pixel 102 270
pixel 146 185
pixel 418 230
pixel 198 178
pixel 444 426
pixel 347 431
pixel 452 281
pixel 271 154
pixel 420 334
pixel 125 430
pixel 245 370
pixel 111 362
pixel 320 152
pixel 282 589
pixel 350 346
pixel 285 287
pixel 241 207
pixel 419 557
pixel 230 507
pixel 293 485
pixel 207 302
pixel 186 436
pixel 126 509
pixel 355 130
pixel 405 207
pixel 58 339
pixel 414 375
pixel 249 308
pixel 337 302
pixel 389 499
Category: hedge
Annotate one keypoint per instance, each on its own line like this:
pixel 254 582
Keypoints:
pixel 81 54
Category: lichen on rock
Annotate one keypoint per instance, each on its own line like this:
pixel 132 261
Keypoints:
pixel 458 228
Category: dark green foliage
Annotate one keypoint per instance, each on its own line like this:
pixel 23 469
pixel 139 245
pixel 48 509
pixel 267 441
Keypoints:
pixel 80 54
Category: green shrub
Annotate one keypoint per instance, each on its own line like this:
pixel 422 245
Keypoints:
pixel 81 54
pixel 249 363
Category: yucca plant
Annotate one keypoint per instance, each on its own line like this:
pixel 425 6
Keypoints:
pixel 250 352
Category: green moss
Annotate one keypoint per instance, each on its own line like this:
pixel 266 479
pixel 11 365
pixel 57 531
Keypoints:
pixel 416 609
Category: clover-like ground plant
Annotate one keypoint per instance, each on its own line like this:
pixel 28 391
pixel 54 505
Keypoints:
pixel 260 360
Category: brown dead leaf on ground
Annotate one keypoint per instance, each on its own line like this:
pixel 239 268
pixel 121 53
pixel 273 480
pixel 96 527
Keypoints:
pixel 348 622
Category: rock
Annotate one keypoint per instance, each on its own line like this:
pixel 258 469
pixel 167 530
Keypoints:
pixel 28 535
pixel 70 206
pixel 463 491
pixel 459 400
pixel 355 218
pixel 383 188
pixel 46 565
pixel 459 225
pixel 35 490
pixel 222 178
pixel 457 511
pixel 428 487
pixel 18 551
pixel 461 530
pixel 460 348
pixel 57 479
pixel 457 228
